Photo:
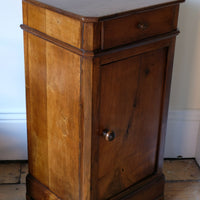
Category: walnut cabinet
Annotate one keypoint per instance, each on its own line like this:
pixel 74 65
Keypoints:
pixel 98 79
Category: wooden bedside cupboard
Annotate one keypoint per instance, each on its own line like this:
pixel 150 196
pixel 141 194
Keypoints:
pixel 98 79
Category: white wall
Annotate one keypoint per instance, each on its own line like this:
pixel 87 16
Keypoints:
pixel 185 93
pixel 183 125
pixel 183 132
pixel 12 92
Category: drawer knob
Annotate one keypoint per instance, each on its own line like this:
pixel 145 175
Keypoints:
pixel 108 135
pixel 142 26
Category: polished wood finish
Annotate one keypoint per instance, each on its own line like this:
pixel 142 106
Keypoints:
pixel 138 26
pixel 94 10
pixel 151 188
pixel 97 92
pixel 51 129
pixel 42 192
pixel 182 181
pixel 53 24
pixel 125 89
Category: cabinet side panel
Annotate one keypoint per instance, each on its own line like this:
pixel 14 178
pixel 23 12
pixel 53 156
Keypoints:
pixel 58 26
pixel 25 13
pixel 36 17
pixel 63 113
pixel 53 109
pixel 37 112
pixel 63 28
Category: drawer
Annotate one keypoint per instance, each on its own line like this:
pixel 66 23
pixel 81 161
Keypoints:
pixel 138 26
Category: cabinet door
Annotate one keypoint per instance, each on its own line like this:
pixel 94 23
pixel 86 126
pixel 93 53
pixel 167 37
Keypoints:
pixel 129 107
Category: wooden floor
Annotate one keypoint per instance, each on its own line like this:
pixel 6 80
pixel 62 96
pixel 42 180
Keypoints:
pixel 182 180
pixel 12 181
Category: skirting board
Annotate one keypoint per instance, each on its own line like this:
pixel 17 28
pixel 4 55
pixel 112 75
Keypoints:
pixel 183 130
pixel 13 139
pixel 182 139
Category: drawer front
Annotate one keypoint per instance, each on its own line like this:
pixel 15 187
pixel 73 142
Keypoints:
pixel 129 116
pixel 139 26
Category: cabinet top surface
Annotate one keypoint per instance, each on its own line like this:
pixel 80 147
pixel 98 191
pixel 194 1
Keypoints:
pixel 101 8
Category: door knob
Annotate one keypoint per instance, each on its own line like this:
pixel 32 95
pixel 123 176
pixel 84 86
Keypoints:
pixel 108 135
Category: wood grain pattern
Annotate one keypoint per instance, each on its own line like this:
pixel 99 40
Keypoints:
pixel 95 36
pixel 63 28
pixel 25 12
pixel 52 119
pixel 9 173
pixel 118 89
pixel 34 15
pixel 36 190
pixel 92 10
pixel 24 172
pixel 13 172
pixel 150 188
pixel 56 42
pixel 63 111
pixel 141 45
pixel 88 36
pixel 91 37
pixel 53 24
pixel 126 87
pixel 157 22
pixel 37 115
pixel 182 190
pixel 181 170
pixel 87 74
pixel 182 182
pixel 86 125
pixel 135 49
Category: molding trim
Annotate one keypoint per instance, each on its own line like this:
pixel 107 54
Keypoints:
pixel 183 134
pixel 86 19
pixel 185 115
pixel 101 52
pixel 36 190
pixel 12 116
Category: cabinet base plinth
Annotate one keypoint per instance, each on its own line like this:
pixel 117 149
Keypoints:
pixel 38 191
pixel 149 189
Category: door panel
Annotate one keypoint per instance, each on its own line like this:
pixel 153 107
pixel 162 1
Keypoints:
pixel 130 106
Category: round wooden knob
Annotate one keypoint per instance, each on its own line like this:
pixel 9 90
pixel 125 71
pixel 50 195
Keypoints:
pixel 142 26
pixel 108 135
